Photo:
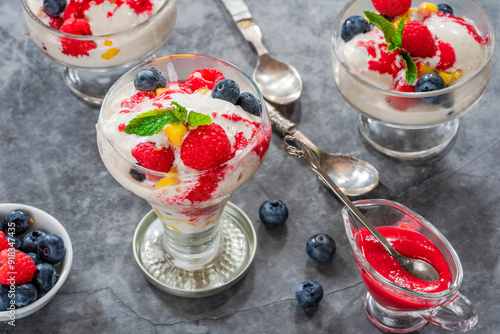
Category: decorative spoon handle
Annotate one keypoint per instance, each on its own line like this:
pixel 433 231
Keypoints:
pixel 305 153
pixel 244 21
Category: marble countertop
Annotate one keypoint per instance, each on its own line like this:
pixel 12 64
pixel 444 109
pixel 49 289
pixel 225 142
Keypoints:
pixel 49 160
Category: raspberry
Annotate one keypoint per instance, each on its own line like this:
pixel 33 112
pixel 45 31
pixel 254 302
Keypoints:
pixel 22 270
pixel 206 147
pixel 156 158
pixel 73 47
pixel 401 103
pixel 418 40
pixel 204 77
pixel 4 243
pixel 392 8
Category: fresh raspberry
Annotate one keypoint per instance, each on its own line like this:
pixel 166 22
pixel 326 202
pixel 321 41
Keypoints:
pixel 73 47
pixel 21 270
pixel 206 147
pixel 392 8
pixel 4 243
pixel 76 26
pixel 418 40
pixel 402 103
pixel 156 158
pixel 204 77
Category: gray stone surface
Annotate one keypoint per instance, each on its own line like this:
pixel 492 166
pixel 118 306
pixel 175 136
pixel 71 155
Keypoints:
pixel 49 159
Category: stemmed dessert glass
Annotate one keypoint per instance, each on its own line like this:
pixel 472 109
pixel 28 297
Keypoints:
pixel 418 129
pixel 397 309
pixel 195 247
pixel 90 74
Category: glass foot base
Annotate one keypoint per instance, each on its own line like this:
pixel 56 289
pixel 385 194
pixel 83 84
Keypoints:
pixel 225 267
pixel 407 142
pixel 392 321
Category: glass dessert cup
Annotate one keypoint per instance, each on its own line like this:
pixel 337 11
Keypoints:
pixel 397 309
pixel 196 247
pixel 411 125
pixel 91 70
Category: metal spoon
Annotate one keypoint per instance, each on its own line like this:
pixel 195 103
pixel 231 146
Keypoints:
pixel 279 82
pixel 418 268
pixel 353 176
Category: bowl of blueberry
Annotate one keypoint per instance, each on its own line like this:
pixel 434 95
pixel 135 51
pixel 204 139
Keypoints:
pixel 35 259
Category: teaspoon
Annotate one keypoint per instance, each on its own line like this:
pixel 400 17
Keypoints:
pixel 418 268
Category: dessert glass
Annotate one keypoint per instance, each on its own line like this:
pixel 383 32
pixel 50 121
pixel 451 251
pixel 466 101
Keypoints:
pixel 419 129
pixel 397 309
pixel 90 76
pixel 198 248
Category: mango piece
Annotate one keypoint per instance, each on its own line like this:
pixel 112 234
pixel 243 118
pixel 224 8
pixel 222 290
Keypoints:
pixel 161 90
pixel 175 133
pixel 427 8
pixel 424 69
pixel 456 74
pixel 446 77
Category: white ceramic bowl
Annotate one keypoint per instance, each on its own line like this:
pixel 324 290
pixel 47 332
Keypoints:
pixel 48 224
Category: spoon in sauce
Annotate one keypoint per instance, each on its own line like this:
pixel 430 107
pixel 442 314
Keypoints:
pixel 418 268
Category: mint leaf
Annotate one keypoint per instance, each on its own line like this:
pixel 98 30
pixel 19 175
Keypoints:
pixel 179 111
pixel 151 122
pixel 411 68
pixel 384 25
pixel 196 118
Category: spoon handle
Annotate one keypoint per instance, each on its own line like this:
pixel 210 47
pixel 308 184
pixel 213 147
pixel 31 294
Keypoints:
pixel 286 127
pixel 244 21
pixel 311 162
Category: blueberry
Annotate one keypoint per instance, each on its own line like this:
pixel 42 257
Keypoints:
pixel 25 294
pixel 4 297
pixel 136 175
pixel 227 90
pixel 321 247
pixel 18 220
pixel 16 242
pixel 51 248
pixel 273 212
pixel 445 8
pixel 31 240
pixel 249 103
pixel 45 277
pixel 35 257
pixel 54 7
pixel 149 79
pixel 309 293
pixel 428 83
pixel 353 26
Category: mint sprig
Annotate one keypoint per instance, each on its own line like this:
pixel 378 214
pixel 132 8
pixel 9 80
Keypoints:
pixel 153 121
pixel 394 39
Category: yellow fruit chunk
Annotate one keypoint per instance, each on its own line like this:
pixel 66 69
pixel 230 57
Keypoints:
pixel 396 21
pixel 426 8
pixel 202 90
pixel 161 90
pixel 446 77
pixel 110 53
pixel 456 74
pixel 424 69
pixel 166 181
pixel 175 133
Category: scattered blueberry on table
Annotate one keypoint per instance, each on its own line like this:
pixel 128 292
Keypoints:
pixel 309 293
pixel 273 213
pixel 321 247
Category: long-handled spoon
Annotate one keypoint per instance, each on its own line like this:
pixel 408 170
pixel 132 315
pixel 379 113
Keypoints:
pixel 418 268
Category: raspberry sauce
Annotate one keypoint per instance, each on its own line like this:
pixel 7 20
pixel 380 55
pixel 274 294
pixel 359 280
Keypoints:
pixel 408 243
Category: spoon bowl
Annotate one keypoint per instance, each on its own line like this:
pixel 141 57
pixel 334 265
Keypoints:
pixel 415 267
pixel 278 81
